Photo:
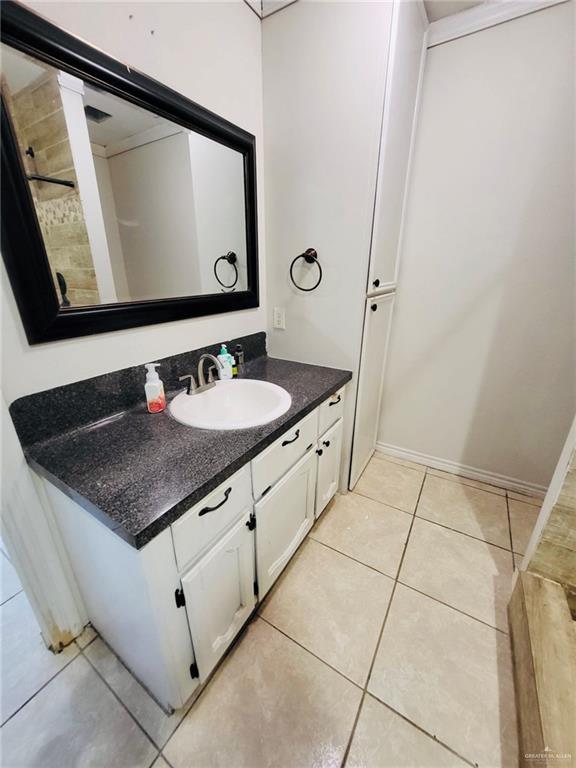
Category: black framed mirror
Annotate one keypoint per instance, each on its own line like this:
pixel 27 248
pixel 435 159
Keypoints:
pixel 123 202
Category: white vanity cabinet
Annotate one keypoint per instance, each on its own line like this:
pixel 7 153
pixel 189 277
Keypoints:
pixel 283 518
pixel 171 609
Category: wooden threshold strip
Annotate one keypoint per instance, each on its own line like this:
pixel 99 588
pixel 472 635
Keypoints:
pixel 543 637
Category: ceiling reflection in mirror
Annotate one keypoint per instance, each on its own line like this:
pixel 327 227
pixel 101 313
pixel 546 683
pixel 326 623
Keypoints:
pixel 131 206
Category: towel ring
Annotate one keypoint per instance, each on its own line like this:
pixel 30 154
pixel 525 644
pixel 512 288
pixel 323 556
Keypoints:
pixel 310 256
pixel 231 258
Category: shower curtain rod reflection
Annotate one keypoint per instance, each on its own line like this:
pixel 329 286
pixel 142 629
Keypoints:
pixel 50 180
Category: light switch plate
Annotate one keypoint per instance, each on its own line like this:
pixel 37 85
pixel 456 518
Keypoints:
pixel 279 318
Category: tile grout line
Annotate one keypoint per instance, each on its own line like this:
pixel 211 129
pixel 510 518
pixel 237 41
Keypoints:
pixel 350 557
pixel 447 605
pixel 163 756
pixel 28 700
pixel 254 11
pixel 405 584
pixel 383 626
pixel 365 691
pixel 510 533
pixel 173 731
pixel 469 484
pixel 371 498
pixel 454 478
pixel 503 495
pixel 204 687
pixel 463 533
pixel 348 679
pixel 11 597
pixel 119 700
pixel 422 730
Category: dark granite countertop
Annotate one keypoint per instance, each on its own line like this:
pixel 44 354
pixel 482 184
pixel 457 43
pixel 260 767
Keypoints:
pixel 138 472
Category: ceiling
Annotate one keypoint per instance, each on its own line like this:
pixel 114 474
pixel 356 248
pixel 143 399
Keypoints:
pixel 126 119
pixel 438 9
pixel 19 70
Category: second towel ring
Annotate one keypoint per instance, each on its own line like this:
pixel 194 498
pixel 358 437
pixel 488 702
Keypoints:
pixel 310 256
pixel 231 258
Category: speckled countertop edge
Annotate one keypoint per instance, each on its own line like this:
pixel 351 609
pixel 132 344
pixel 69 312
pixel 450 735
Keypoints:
pixel 137 473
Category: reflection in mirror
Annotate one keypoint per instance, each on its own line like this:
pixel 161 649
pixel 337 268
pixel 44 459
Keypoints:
pixel 131 206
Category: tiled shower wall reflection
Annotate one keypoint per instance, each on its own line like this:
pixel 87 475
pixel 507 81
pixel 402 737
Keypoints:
pixel 39 123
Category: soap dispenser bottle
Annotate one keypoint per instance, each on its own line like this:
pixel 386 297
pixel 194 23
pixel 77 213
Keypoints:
pixel 155 397
pixel 226 361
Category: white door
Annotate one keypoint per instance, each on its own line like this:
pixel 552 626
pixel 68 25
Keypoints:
pixel 283 517
pixel 377 322
pixel 402 78
pixel 329 451
pixel 219 594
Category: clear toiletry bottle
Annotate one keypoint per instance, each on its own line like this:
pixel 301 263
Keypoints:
pixel 155 397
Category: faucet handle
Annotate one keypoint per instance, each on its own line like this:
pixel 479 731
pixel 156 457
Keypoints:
pixel 191 386
pixel 211 371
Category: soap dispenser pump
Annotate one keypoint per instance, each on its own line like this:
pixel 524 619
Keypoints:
pixel 155 397
pixel 226 360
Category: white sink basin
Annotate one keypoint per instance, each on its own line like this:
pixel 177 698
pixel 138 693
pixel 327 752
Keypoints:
pixel 233 404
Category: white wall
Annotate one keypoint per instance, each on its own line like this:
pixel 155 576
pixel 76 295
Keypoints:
pixel 71 92
pixel 152 186
pixel 218 182
pixel 324 72
pixel 111 226
pixel 210 52
pixel 481 365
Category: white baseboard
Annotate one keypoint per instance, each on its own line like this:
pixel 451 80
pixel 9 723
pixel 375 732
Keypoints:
pixel 473 473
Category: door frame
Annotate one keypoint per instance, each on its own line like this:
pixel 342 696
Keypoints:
pixel 35 546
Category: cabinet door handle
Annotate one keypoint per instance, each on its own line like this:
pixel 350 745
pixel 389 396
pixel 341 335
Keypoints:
pixel 319 451
pixel 374 307
pixel 287 442
pixel 326 443
pixel 205 510
pixel 376 283
pixel 335 402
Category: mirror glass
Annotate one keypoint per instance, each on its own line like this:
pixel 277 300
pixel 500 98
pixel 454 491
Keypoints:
pixel 131 206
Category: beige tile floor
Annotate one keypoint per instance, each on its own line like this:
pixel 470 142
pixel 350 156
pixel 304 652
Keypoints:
pixel 383 645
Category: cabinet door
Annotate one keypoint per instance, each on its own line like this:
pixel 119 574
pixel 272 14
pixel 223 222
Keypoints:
pixel 219 594
pixel 283 517
pixel 377 323
pixel 400 106
pixel 329 450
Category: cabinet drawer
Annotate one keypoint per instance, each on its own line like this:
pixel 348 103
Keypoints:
pixel 331 410
pixel 196 529
pixel 277 459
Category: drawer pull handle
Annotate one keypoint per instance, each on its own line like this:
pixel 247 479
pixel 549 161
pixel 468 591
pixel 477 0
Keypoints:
pixel 335 402
pixel 287 442
pixel 205 510
pixel 326 443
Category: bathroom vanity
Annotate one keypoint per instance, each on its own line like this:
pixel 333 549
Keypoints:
pixel 176 533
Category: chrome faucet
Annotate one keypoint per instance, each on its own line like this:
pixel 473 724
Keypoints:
pixel 202 385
